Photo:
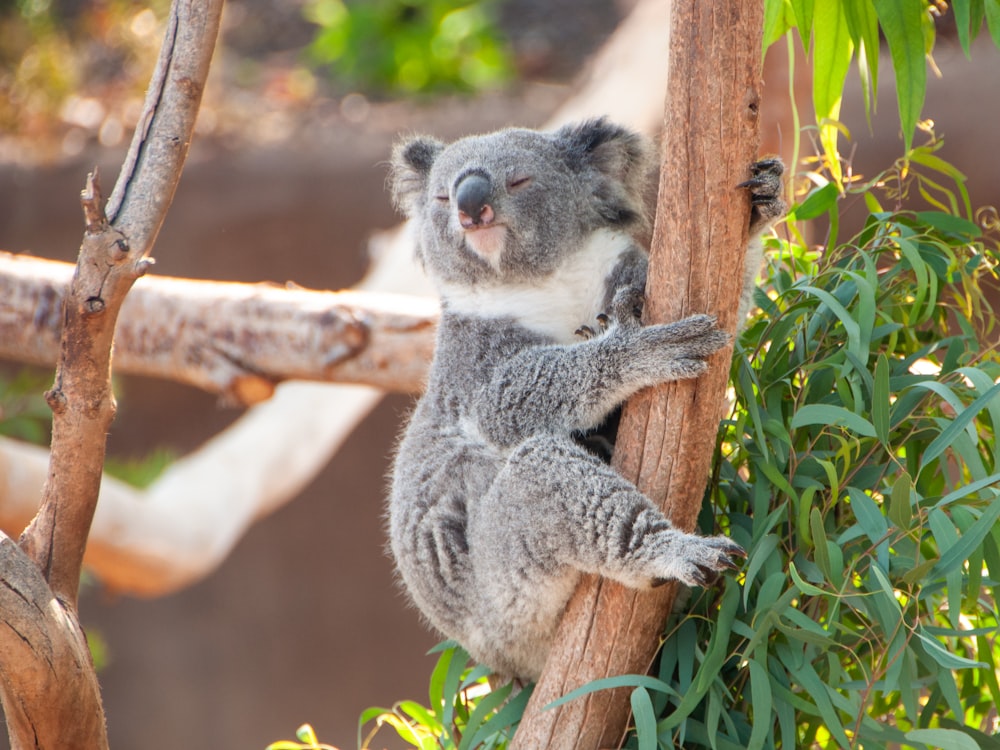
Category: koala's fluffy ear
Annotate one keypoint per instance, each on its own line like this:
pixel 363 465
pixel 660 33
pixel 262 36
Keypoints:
pixel 411 164
pixel 623 156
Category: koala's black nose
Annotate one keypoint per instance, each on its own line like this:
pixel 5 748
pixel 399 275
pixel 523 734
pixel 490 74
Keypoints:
pixel 472 197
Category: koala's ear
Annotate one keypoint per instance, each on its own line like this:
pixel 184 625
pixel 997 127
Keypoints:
pixel 411 164
pixel 616 151
pixel 619 154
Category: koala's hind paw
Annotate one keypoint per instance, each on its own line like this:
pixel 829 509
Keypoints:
pixel 766 188
pixel 626 307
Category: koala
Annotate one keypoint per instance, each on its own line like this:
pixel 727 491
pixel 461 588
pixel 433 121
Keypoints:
pixel 495 508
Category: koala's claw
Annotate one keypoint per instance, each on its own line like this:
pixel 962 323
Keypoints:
pixel 588 332
pixel 716 554
pixel 766 189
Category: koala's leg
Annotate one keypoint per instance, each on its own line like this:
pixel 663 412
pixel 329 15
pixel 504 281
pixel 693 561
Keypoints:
pixel 555 507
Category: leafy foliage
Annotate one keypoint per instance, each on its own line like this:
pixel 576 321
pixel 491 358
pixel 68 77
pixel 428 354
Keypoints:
pixel 840 31
pixel 67 60
pixel 140 472
pixel 860 467
pixel 24 414
pixel 409 46
pixel 463 713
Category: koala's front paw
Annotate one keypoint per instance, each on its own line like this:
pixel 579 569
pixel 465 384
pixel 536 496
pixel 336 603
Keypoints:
pixel 703 559
pixel 766 188
pixel 681 348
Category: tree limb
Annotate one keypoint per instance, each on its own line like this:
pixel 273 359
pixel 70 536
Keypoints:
pixel 667 435
pixel 237 340
pixel 47 704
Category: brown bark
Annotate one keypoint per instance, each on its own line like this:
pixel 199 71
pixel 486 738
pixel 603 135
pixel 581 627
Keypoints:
pixel 49 705
pixel 237 340
pixel 667 434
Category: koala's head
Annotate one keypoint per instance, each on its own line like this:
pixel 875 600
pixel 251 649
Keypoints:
pixel 510 205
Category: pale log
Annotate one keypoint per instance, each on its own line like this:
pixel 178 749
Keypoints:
pixel 237 340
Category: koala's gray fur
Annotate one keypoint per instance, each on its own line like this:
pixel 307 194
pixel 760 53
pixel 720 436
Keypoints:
pixel 495 509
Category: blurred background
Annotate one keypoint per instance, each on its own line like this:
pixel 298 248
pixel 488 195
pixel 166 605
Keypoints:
pixel 286 182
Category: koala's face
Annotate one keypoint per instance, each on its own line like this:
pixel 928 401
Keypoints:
pixel 510 205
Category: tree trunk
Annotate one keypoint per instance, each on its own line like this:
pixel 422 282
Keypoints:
pixel 667 435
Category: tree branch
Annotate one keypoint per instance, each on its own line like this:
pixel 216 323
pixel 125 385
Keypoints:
pixel 667 435
pixel 237 340
pixel 111 258
pixel 113 255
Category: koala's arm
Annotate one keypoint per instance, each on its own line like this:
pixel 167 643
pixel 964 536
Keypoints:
pixel 571 387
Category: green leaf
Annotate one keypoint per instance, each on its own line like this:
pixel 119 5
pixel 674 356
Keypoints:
pixel 869 516
pixel 851 326
pixel 827 414
pixel 775 24
pixel 959 423
pixel 762 699
pixel 473 734
pixel 761 553
pixel 802 585
pixel 992 8
pixel 900 504
pixel 863 25
pixel 963 23
pixel 817 203
pixel 943 656
pixel 881 405
pixel 819 542
pixel 832 53
pixel 611 683
pixel 645 719
pixel 961 550
pixel 944 739
pixel 803 11
pixel 902 23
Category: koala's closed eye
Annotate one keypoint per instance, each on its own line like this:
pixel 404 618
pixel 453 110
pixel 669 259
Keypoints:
pixel 517 183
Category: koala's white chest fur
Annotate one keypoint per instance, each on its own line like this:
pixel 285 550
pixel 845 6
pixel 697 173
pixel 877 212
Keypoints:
pixel 555 305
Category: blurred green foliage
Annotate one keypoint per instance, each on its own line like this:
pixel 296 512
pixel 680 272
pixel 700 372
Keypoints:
pixel 142 471
pixel 409 46
pixel 51 50
pixel 24 414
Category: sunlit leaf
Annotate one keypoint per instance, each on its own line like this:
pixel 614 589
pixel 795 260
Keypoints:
pixel 902 23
